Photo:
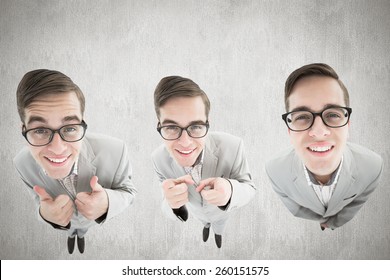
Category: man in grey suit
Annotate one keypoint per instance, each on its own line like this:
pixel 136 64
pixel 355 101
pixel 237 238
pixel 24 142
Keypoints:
pixel 323 177
pixel 76 181
pixel 204 174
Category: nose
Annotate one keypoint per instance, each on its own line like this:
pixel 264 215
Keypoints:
pixel 57 145
pixel 319 129
pixel 184 139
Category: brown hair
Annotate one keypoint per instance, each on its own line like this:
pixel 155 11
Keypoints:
pixel 176 86
pixel 315 69
pixel 42 82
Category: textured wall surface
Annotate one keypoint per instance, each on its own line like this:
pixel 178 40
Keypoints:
pixel 240 53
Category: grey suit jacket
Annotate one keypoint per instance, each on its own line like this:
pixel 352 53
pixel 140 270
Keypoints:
pixel 358 178
pixel 224 157
pixel 100 155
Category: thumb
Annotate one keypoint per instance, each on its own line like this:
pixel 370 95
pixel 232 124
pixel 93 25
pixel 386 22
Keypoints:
pixel 95 186
pixel 41 192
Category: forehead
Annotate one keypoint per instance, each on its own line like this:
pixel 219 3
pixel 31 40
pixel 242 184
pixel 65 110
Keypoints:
pixel 183 110
pixel 53 107
pixel 315 93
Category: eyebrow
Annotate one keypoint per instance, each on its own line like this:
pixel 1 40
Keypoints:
pixel 168 122
pixel 305 108
pixel 43 121
pixel 36 119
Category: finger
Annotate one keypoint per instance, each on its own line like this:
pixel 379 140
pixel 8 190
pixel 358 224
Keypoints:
pixel 206 182
pixel 95 186
pixel 175 189
pixel 209 194
pixel 62 200
pixel 187 179
pixel 79 202
pixel 178 203
pixel 41 192
pixel 67 206
pixel 68 210
pixel 69 215
pixel 168 184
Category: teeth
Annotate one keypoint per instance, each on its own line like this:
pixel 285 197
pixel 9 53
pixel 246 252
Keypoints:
pixel 57 160
pixel 186 152
pixel 320 149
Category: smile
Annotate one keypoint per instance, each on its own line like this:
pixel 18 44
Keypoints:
pixel 185 152
pixel 57 160
pixel 321 149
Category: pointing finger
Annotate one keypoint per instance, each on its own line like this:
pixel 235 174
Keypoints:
pixel 204 183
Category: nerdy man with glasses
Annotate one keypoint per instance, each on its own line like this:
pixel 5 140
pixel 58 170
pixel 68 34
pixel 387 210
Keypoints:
pixel 205 174
pixel 77 179
pixel 323 177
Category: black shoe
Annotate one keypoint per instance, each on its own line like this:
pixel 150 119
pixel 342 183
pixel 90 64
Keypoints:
pixel 81 244
pixel 71 241
pixel 206 232
pixel 218 240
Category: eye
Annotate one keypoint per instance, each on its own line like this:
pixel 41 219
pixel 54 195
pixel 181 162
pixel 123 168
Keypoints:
pixel 332 115
pixel 301 117
pixel 70 129
pixel 335 113
pixel 196 127
pixel 171 128
pixel 41 131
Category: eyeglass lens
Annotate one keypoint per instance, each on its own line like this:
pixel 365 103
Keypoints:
pixel 42 136
pixel 332 117
pixel 174 132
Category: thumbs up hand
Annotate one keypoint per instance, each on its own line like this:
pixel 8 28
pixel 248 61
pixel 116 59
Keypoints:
pixel 57 211
pixel 94 204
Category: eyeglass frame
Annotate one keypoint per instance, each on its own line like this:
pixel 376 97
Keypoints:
pixel 349 110
pixel 53 131
pixel 159 127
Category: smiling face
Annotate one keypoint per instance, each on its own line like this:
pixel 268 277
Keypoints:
pixel 54 111
pixel 184 111
pixel 320 147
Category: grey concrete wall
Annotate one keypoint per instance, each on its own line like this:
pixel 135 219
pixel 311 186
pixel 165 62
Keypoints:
pixel 240 53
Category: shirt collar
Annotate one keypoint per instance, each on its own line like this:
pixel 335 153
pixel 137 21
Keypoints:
pixel 333 178
pixel 73 170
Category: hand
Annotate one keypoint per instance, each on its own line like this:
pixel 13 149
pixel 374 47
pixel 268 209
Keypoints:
pixel 58 211
pixel 218 193
pixel 176 191
pixel 94 204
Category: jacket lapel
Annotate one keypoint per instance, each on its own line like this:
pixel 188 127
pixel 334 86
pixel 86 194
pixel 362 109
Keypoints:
pixel 345 183
pixel 52 186
pixel 86 168
pixel 306 192
pixel 210 159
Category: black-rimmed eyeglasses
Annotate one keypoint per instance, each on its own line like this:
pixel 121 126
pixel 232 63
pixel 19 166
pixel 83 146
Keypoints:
pixel 173 132
pixel 301 120
pixel 41 136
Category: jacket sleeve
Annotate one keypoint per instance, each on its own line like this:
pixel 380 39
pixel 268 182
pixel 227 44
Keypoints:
pixel 122 192
pixel 243 188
